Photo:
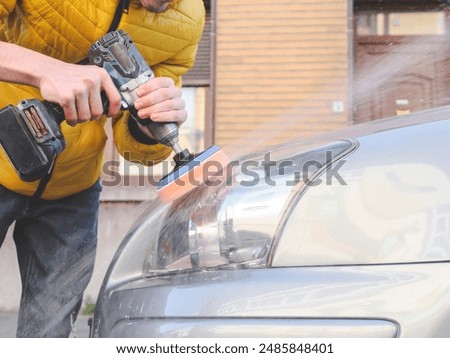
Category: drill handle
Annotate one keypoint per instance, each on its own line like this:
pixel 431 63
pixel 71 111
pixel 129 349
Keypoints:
pixel 55 111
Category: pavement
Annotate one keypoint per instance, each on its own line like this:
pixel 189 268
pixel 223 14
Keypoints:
pixel 8 325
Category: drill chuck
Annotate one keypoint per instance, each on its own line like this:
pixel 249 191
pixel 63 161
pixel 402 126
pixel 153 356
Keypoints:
pixel 164 133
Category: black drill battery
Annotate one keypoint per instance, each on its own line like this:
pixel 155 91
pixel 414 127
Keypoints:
pixel 29 140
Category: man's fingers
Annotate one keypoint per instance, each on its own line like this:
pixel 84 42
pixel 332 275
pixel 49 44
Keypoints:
pixel 154 84
pixel 177 116
pixel 158 96
pixel 163 110
pixel 96 105
pixel 83 109
pixel 70 111
pixel 161 101
pixel 112 94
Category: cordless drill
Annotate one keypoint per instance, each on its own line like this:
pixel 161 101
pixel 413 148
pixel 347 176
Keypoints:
pixel 30 132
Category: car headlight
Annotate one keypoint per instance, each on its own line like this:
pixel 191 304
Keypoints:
pixel 224 228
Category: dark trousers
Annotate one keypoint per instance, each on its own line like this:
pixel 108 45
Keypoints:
pixel 56 243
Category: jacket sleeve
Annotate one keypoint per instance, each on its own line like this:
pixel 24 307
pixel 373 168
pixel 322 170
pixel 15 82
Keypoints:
pixel 6 7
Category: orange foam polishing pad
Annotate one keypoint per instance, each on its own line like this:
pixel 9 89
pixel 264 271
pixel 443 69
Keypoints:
pixel 209 165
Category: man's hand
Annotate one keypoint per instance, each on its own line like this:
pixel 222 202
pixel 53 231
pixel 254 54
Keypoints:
pixel 161 101
pixel 76 88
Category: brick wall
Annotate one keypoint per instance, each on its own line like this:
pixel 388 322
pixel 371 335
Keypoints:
pixel 282 68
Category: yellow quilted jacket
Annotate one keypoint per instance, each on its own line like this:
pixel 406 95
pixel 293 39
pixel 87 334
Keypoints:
pixel 65 29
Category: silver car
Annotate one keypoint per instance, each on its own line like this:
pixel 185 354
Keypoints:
pixel 346 235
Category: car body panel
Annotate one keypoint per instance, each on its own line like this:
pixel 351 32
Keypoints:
pixel 409 296
pixel 254 328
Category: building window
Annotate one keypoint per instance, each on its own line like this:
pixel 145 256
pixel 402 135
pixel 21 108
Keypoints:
pixel 401 54
pixel 400 23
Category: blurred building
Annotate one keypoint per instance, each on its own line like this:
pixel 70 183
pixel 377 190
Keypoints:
pixel 290 69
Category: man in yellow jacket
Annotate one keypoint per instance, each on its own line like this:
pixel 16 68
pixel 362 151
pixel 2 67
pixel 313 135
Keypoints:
pixel 40 43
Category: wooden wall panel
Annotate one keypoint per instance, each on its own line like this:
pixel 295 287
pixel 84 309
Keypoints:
pixel 282 68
